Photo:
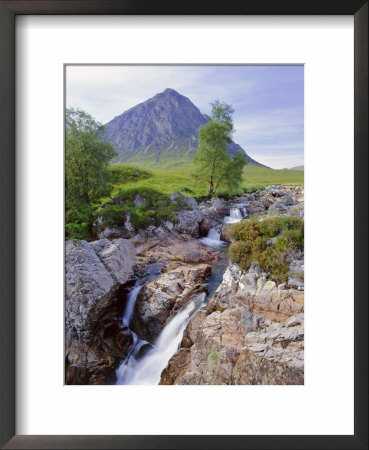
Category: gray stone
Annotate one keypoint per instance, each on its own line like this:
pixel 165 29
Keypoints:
pixel 139 200
pixel 189 201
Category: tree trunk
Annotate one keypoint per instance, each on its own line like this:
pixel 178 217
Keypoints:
pixel 211 188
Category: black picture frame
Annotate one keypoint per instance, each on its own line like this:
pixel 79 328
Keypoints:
pixel 8 12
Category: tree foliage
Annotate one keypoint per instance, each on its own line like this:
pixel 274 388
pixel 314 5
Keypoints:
pixel 213 164
pixel 87 156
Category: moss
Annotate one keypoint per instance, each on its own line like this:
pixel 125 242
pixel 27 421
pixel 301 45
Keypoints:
pixel 252 244
pixel 214 356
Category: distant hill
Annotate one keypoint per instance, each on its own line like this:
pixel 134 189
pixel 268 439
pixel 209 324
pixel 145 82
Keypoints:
pixel 297 168
pixel 164 127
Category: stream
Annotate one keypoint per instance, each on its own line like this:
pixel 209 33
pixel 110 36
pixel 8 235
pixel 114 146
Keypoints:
pixel 145 367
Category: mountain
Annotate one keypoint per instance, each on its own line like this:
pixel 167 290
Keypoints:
pixel 165 127
pixel 297 168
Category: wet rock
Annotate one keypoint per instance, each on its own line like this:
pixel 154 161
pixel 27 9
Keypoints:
pixel 94 273
pixel 160 245
pixel 177 366
pixel 224 232
pixel 96 372
pixel 209 220
pixel 221 207
pixel 161 298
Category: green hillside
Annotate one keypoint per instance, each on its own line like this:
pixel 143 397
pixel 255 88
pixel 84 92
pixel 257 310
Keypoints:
pixel 176 177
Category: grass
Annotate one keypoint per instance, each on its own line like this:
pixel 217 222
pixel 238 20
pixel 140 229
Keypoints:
pixel 175 176
pixel 156 183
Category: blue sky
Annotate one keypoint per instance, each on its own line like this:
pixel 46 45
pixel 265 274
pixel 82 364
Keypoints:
pixel 268 100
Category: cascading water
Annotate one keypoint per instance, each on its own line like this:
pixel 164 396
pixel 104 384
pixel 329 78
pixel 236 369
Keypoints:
pixel 147 370
pixel 213 238
pixel 235 216
pixel 131 301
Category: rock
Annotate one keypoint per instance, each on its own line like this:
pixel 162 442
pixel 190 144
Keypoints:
pixel 297 265
pixel 288 200
pixel 160 299
pixel 209 220
pixel 260 284
pixel 221 207
pixel 192 378
pixel 295 320
pixel 224 230
pixel 117 256
pixel 94 273
pixel 96 372
pixel 268 286
pixel 127 231
pixel 177 366
pixel 295 282
pixel 256 207
pixel 169 225
pixel 241 337
pixel 278 207
pixel 139 201
pixel 111 233
pixel 160 245
pixel 188 222
pixel 189 201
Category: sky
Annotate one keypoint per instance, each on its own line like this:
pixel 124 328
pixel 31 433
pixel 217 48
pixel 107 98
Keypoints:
pixel 268 101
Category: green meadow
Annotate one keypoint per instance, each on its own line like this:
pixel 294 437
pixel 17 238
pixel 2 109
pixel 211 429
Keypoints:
pixel 176 176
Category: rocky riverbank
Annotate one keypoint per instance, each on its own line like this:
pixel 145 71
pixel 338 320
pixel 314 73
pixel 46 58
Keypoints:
pixel 250 332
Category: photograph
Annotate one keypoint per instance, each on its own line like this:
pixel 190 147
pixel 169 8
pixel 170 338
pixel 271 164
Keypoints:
pixel 184 224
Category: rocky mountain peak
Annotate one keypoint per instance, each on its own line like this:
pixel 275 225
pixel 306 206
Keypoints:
pixel 164 127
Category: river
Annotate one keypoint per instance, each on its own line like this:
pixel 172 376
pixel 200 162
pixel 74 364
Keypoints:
pixel 145 367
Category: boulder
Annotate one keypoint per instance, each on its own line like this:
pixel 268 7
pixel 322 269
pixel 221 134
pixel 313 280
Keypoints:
pixel 221 207
pixel 161 299
pixel 188 222
pixel 160 245
pixel 189 201
pixel 94 273
pixel 209 220
pixel 278 207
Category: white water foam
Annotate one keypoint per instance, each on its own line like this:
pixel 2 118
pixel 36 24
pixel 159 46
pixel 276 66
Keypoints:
pixel 213 238
pixel 234 217
pixel 148 369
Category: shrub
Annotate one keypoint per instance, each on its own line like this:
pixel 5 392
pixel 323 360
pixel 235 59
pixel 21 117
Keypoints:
pixel 266 243
pixel 157 208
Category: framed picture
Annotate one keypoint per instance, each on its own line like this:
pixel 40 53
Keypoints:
pixel 154 165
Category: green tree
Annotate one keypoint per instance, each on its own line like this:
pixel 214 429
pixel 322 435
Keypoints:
pixel 87 156
pixel 213 164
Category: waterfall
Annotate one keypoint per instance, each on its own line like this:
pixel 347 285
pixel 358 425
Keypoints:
pixel 213 238
pixel 235 216
pixel 131 301
pixel 147 369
